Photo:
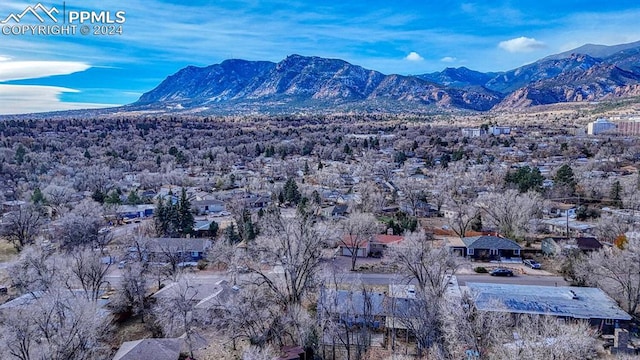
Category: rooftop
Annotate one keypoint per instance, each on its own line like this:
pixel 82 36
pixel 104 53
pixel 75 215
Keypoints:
pixel 564 301
pixel 490 242
pixel 151 349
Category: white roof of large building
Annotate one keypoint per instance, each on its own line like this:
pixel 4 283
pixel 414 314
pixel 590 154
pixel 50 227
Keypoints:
pixel 563 301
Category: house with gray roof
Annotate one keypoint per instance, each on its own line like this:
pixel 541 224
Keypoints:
pixel 150 349
pixel 581 303
pixel 487 248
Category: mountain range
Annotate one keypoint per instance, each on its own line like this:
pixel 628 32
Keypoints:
pixel 308 83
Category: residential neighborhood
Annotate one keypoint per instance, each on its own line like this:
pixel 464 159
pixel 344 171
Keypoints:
pixel 367 242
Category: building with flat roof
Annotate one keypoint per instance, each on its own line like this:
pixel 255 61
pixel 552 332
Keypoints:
pixel 629 126
pixel 599 126
pixel 582 303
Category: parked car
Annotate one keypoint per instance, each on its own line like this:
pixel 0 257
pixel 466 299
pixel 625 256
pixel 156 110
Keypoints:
pixel 532 263
pixel 501 272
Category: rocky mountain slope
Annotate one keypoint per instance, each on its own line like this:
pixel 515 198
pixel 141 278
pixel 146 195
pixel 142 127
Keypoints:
pixel 299 80
pixel 300 83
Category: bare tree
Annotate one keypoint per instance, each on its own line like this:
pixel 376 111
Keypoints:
pixel 81 227
pixel 465 213
pixel 57 325
pixel 21 226
pixel 421 317
pixel 295 245
pixel 430 266
pixel 259 353
pixel 413 192
pixel 133 291
pixel 174 313
pixel 250 315
pixel 609 227
pixel 372 198
pixel 35 270
pixel 546 337
pixel 511 211
pixel 58 197
pixel 357 230
pixel 85 268
pixel 19 335
pixel 346 315
pixel 617 272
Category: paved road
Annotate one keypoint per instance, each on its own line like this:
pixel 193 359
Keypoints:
pixel 385 279
pixel 518 279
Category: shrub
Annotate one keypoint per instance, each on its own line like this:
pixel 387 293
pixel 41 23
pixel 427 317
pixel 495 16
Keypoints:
pixel 202 264
pixel 480 270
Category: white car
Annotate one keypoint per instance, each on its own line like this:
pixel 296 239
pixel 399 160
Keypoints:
pixel 532 263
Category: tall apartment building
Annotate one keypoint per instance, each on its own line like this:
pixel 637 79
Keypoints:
pixel 629 126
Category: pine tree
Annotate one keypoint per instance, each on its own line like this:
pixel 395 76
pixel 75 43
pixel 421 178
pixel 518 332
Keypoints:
pixel 213 229
pixel 185 216
pixel 113 198
pixel 615 194
pixel 98 196
pixel 565 178
pixel 161 218
pixel 232 235
pixel 291 192
pixel 38 198
pixel 133 198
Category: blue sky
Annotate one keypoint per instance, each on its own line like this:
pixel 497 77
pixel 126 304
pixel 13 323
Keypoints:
pixel 43 73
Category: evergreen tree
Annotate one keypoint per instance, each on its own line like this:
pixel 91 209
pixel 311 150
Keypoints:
pixel 526 179
pixel 291 193
pixel 98 196
pixel 213 229
pixel 87 154
pixel 133 198
pixel 160 218
pixel 346 149
pixel 38 198
pixel 306 169
pixel 232 235
pixel 565 178
pixel 20 153
pixel 113 198
pixel 615 194
pixel 476 224
pixel 185 216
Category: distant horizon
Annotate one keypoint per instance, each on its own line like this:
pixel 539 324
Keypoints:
pixel 128 49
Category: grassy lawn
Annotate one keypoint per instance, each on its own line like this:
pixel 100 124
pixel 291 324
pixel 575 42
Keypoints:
pixel 7 251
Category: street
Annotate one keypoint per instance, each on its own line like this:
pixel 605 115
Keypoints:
pixel 115 277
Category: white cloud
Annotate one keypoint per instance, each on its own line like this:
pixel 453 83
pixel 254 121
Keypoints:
pixel 19 70
pixel 22 99
pixel 521 44
pixel 448 59
pixel 414 56
pixel 4 58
